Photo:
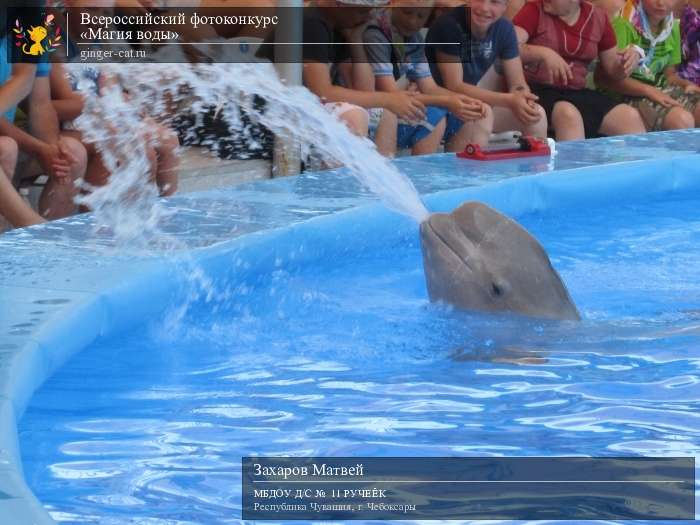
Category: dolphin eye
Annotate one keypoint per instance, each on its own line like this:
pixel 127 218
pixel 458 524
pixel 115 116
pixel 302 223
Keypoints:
pixel 496 289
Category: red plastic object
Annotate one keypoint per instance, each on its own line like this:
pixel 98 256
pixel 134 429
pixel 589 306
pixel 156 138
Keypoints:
pixel 524 147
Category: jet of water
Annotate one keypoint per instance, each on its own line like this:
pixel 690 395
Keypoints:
pixel 116 125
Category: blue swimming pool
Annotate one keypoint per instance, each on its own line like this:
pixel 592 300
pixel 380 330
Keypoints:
pixel 318 339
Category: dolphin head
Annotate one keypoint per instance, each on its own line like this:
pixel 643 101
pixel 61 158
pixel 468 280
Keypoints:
pixel 476 258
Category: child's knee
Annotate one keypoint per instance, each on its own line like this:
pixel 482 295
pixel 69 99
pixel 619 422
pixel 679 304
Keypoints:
pixel 78 152
pixel 631 117
pixel 8 147
pixel 8 153
pixel 542 114
pixel 476 128
pixel 357 119
pixel 486 122
pixel 679 118
pixel 565 114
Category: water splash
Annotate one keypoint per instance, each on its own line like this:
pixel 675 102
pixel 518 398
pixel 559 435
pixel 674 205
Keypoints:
pixel 128 204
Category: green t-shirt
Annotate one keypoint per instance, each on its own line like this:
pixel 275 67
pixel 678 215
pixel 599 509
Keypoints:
pixel 666 53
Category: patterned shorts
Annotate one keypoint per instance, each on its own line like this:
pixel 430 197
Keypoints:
pixel 654 113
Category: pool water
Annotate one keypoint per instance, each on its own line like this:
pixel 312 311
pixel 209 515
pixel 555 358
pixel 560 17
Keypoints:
pixel 348 358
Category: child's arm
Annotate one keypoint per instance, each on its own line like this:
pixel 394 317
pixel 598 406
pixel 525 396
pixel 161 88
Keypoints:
pixel 519 100
pixel 671 74
pixel 13 207
pixel 317 78
pixel 629 44
pixel 558 70
pixel 67 103
pixel 634 88
pixel 452 74
pixel 525 24
pixel 357 75
pixel 17 87
pixel 361 75
pixel 45 128
pixel 43 121
pixel 522 102
pixel 464 107
pixel 619 63
pixel 48 155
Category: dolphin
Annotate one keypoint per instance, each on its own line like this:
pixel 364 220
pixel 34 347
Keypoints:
pixel 476 258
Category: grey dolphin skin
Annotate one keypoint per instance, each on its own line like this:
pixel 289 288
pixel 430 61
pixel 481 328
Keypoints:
pixel 476 258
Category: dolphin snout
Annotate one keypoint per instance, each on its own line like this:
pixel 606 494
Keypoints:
pixel 479 259
pixel 441 230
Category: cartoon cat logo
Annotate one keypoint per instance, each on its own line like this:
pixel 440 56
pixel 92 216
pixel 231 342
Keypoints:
pixel 37 35
pixel 32 40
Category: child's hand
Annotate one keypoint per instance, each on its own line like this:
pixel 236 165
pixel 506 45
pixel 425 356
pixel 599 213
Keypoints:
pixel 466 108
pixel 559 72
pixel 523 104
pixel 691 88
pixel 412 88
pixel 406 106
pixel 54 163
pixel 66 154
pixel 629 59
pixel 658 96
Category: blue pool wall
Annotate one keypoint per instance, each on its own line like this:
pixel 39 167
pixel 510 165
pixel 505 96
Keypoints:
pixel 69 299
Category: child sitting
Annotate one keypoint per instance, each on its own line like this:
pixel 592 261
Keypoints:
pixel 335 65
pixel 474 52
pixel 664 99
pixel 395 49
pixel 42 151
pixel 15 84
pixel 162 143
pixel 13 207
pixel 559 41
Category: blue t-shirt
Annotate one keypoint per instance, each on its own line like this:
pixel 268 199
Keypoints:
pixel 450 34
pixel 5 72
pixel 43 69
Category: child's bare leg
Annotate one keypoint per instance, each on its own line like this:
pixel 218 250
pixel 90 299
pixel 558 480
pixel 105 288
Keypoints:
pixel 505 120
pixel 57 199
pixel 12 206
pixel 96 174
pixel 385 136
pixel 538 128
pixel 567 122
pixel 8 156
pixel 472 132
pixel 357 120
pixel 678 118
pixel 622 120
pixel 430 144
